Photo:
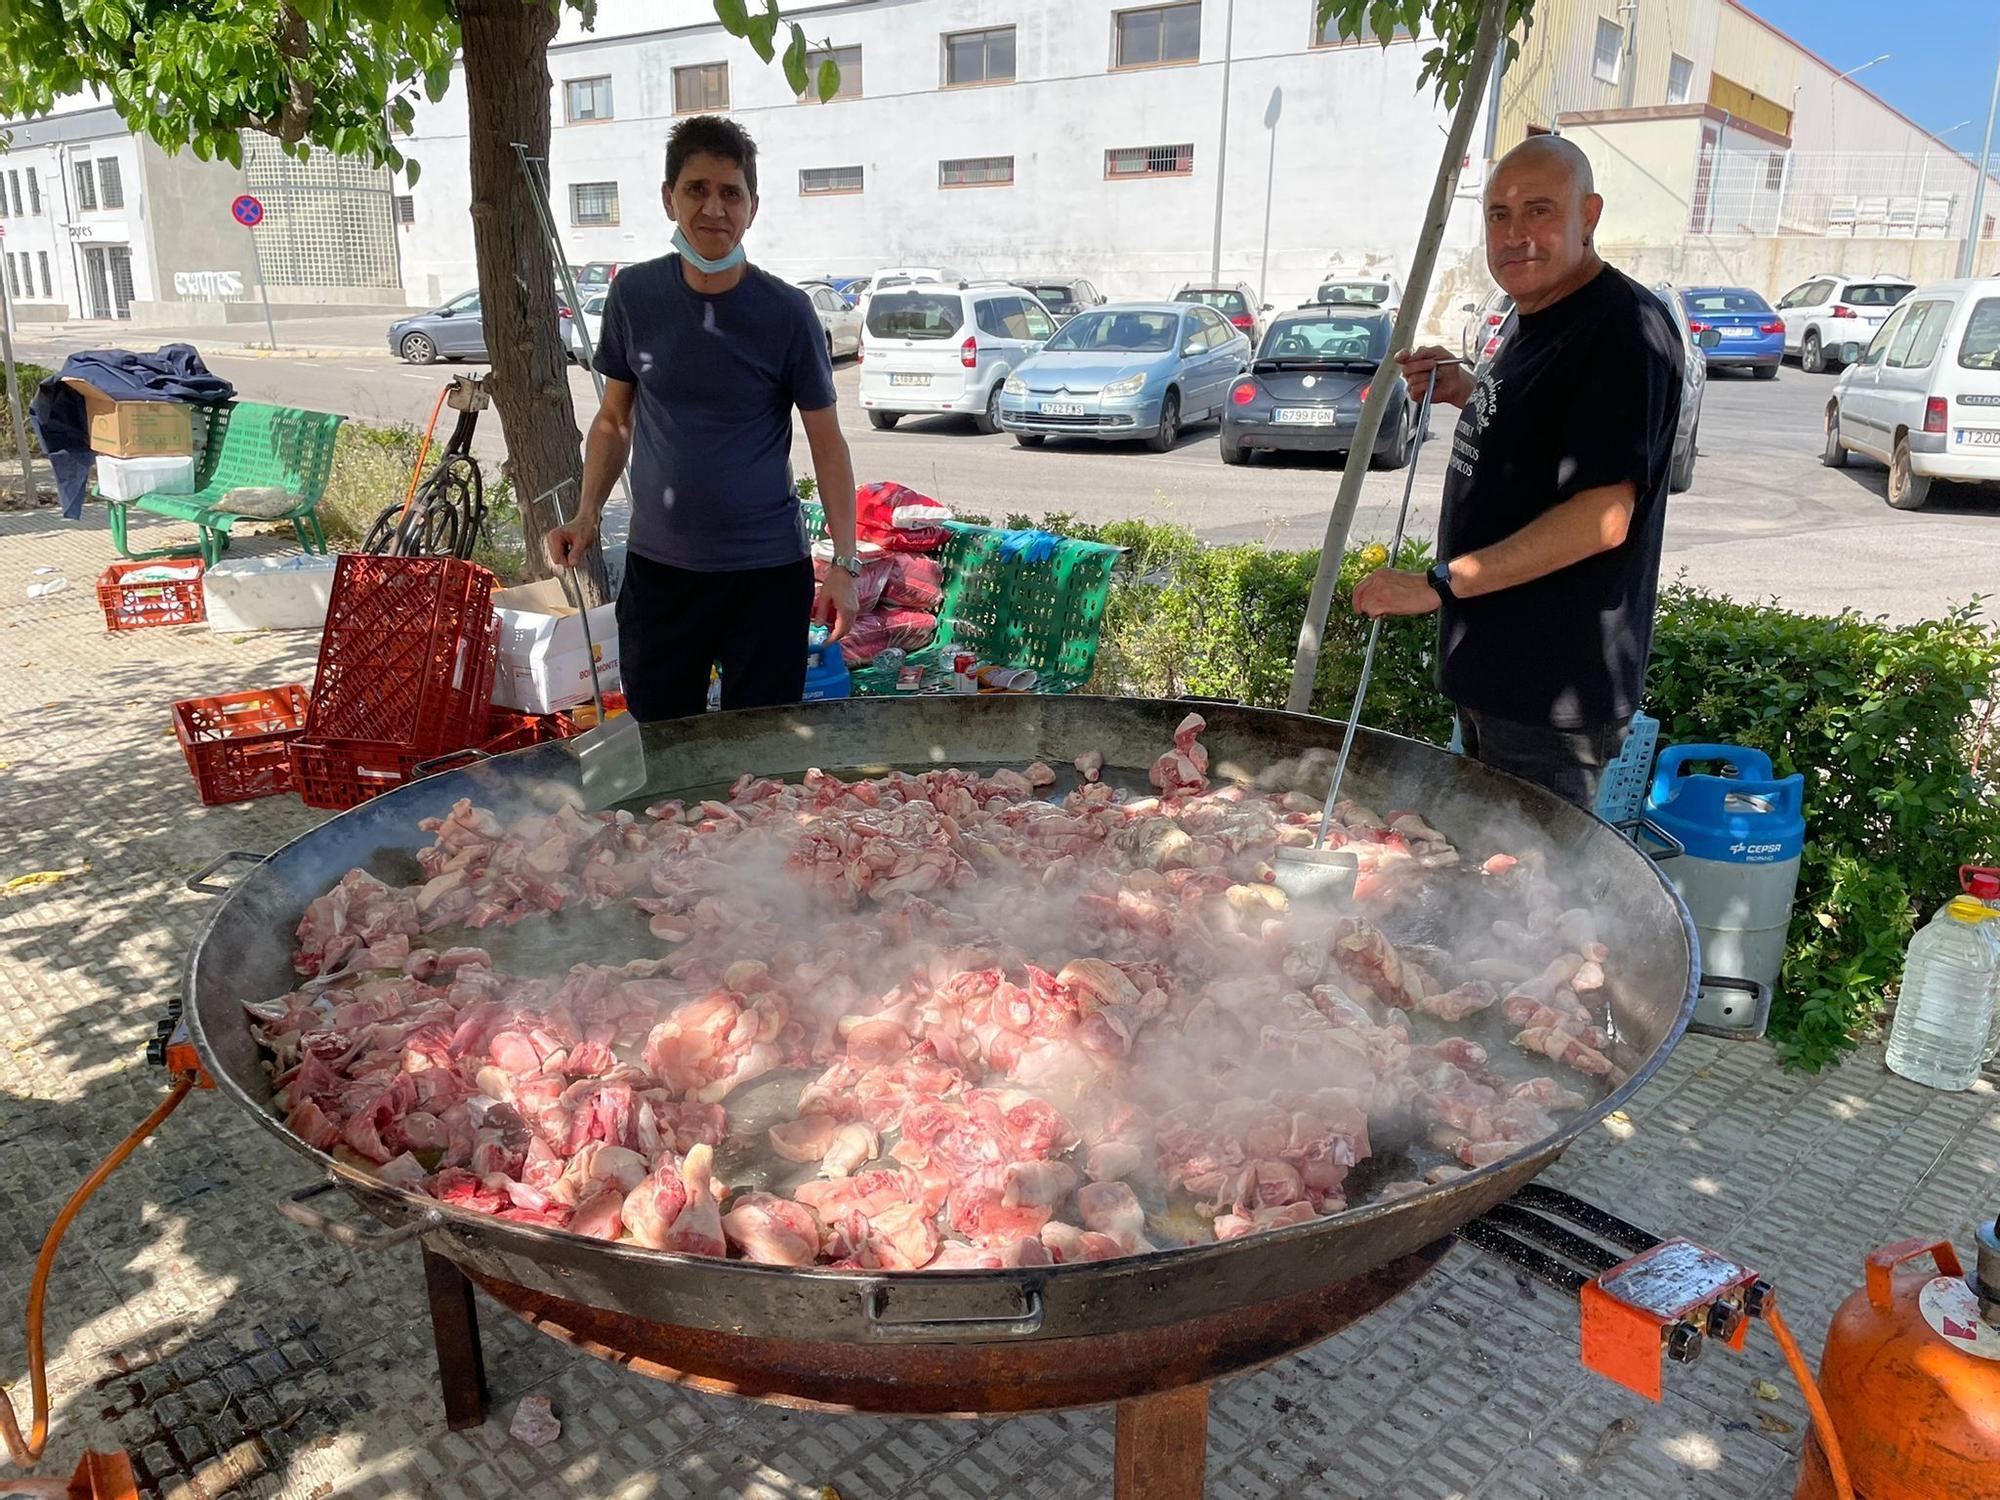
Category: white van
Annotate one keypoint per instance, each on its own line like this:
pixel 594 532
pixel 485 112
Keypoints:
pixel 1924 397
pixel 931 348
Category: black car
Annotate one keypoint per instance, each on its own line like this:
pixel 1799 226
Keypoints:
pixel 1303 391
pixel 1063 296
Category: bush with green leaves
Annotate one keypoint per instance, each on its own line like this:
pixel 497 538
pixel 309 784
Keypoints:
pixel 26 378
pixel 371 470
pixel 1886 723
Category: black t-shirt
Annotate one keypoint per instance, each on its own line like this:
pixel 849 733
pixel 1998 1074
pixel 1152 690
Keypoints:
pixel 1586 393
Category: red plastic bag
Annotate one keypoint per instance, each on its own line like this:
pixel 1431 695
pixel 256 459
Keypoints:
pixel 879 629
pixel 915 581
pixel 896 517
pixel 876 566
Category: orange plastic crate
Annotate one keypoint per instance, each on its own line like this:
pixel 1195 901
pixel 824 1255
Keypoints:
pixel 238 745
pixel 133 603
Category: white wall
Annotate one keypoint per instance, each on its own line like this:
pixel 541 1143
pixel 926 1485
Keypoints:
pixel 1356 148
pixel 63 229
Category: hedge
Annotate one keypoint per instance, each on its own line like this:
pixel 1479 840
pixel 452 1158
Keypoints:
pixel 1887 723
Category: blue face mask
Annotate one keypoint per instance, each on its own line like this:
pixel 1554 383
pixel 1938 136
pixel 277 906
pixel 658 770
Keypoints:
pixel 701 262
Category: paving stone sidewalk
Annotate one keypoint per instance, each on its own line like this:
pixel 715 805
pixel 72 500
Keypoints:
pixel 235 1355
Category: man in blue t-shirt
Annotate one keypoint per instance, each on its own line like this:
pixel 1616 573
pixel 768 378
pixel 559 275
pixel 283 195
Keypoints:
pixel 704 358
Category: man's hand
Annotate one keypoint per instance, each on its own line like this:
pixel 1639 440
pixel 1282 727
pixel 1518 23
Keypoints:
pixel 1435 364
pixel 566 545
pixel 838 603
pixel 1394 591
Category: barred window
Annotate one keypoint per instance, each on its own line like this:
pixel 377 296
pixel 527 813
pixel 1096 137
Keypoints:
pixel 701 88
pixel 1159 34
pixel 14 183
pixel 979 56
pixel 587 99
pixel 42 259
pixel 34 191
pixel 13 286
pixel 814 181
pixel 593 203
pixel 86 187
pixel 848 60
pixel 976 171
pixel 406 208
pixel 1149 161
pixel 111 183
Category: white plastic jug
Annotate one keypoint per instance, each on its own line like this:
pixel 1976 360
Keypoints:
pixel 1951 985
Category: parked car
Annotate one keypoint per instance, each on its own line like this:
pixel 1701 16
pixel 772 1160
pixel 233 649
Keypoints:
pixel 593 322
pixel 1303 391
pixel 1924 398
pixel 1479 336
pixel 1752 335
pixel 1236 302
pixel 895 276
pixel 1382 289
pixel 1694 384
pixel 837 318
pixel 927 347
pixel 1064 296
pixel 596 273
pixel 1126 370
pixel 1827 312
pixel 452 331
pixel 849 287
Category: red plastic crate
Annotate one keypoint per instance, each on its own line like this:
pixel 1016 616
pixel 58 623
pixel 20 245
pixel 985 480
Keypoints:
pixel 406 658
pixel 134 604
pixel 339 774
pixel 507 730
pixel 238 744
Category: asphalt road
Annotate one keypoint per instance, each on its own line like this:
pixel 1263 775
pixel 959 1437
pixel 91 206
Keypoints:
pixel 1764 519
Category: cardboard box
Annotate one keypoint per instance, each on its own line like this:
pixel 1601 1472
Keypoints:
pixel 135 429
pixel 541 666
pixel 129 478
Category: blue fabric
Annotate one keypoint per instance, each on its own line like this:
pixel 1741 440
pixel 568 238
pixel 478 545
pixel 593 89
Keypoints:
pixel 1029 545
pixel 172 372
pixel 717 378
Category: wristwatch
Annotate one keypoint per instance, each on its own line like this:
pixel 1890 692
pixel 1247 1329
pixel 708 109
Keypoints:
pixel 848 564
pixel 1440 577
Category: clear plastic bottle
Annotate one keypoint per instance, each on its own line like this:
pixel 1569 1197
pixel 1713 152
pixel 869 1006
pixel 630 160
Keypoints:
pixel 1945 1010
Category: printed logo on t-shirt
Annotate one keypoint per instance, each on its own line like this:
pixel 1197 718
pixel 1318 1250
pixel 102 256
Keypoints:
pixel 1478 416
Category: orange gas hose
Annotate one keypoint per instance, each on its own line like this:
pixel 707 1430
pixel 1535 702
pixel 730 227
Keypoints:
pixel 1829 1442
pixel 423 452
pixel 25 1453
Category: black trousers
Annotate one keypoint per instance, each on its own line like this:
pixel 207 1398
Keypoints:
pixel 674 624
pixel 1569 762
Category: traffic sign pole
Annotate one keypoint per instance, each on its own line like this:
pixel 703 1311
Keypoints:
pixel 249 212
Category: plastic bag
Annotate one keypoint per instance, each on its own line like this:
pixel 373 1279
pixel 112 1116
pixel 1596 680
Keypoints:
pixel 915 581
pixel 875 570
pixel 880 629
pixel 897 517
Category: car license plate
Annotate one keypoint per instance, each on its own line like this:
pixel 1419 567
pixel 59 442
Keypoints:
pixel 909 380
pixel 1307 416
pixel 1060 408
pixel 1737 333
pixel 1979 437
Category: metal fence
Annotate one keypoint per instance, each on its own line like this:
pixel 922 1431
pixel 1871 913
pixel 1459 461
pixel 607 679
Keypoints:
pixel 1852 194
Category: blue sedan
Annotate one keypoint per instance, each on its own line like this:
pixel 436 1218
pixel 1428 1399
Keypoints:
pixel 1752 333
pixel 1126 370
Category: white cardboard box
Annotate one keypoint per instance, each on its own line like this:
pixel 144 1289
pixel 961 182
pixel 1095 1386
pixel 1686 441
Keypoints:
pixel 269 593
pixel 541 666
pixel 129 478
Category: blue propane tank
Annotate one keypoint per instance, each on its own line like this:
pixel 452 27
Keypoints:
pixel 826 670
pixel 1743 833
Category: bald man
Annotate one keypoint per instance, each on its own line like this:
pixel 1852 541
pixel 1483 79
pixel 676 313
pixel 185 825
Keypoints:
pixel 1555 498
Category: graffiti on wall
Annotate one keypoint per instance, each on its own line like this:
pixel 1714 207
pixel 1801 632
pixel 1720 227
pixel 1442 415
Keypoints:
pixel 208 286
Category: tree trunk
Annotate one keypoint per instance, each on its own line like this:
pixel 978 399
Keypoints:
pixel 505 47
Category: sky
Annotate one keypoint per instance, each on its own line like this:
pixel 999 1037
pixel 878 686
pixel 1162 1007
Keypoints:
pixel 1942 53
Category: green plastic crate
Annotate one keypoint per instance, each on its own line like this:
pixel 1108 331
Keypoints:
pixel 1045 615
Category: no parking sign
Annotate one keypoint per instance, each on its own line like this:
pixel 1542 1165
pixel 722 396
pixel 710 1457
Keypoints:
pixel 247 211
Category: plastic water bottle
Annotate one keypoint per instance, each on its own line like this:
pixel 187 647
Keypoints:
pixel 1951 985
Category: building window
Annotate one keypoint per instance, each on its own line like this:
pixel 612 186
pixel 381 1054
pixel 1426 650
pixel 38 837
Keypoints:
pixel 1680 79
pixel 1327 33
pixel 701 89
pixel 848 60
pixel 42 259
pixel 1149 161
pixel 34 192
pixel 1157 35
pixel 819 181
pixel 86 187
pixel 979 56
pixel 587 99
pixel 1610 51
pixel 977 171
pixel 593 203
pixel 406 208
pixel 13 286
pixel 14 184
pixel 1774 171
pixel 110 183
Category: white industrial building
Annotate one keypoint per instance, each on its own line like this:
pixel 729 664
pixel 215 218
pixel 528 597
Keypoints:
pixel 993 136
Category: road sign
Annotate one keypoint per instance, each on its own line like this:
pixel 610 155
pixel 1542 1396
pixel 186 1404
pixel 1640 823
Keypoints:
pixel 247 211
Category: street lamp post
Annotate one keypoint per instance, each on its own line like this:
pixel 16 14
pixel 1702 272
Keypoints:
pixel 1968 255
pixel 1222 146
pixel 1832 132
pixel 1924 174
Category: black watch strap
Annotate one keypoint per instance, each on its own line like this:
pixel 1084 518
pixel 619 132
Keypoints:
pixel 1440 577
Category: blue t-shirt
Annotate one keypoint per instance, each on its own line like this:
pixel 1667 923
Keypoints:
pixel 712 430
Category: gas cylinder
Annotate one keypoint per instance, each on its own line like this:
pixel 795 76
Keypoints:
pixel 1911 1377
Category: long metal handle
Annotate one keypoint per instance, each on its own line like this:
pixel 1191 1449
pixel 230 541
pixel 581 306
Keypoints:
pixel 361 1241
pixel 429 767
pixel 1020 1324
pixel 201 885
pixel 1374 630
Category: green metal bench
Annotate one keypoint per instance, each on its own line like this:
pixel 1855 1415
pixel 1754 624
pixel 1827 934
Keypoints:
pixel 241 445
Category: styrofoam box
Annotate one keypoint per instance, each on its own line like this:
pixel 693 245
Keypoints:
pixel 269 593
pixel 129 478
pixel 541 666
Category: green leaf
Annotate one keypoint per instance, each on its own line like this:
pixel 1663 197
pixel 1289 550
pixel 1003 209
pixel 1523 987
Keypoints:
pixel 795 61
pixel 760 31
pixel 734 16
pixel 829 79
pixel 410 169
